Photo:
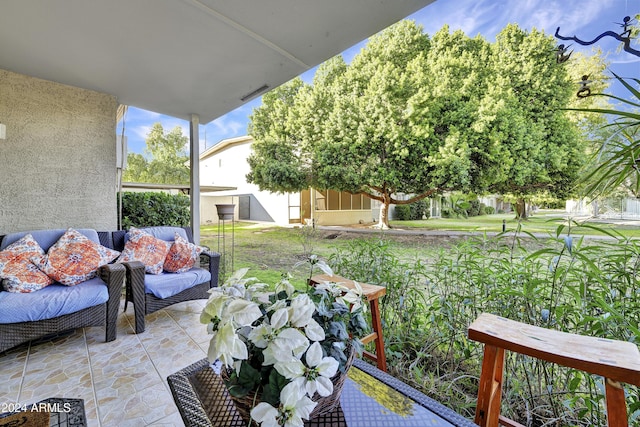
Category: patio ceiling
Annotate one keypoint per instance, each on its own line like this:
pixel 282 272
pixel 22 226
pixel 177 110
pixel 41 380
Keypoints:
pixel 184 57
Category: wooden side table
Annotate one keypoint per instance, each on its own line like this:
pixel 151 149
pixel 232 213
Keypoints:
pixel 617 361
pixel 373 293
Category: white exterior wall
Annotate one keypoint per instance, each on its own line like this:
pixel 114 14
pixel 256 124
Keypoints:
pixel 225 165
pixel 228 167
pixel 363 216
pixel 58 161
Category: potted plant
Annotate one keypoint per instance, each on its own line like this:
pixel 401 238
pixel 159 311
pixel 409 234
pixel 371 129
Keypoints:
pixel 283 353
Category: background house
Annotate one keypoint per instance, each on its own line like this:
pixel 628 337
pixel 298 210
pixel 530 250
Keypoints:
pixel 225 165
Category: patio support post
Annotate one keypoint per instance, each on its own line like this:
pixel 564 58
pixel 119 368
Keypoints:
pixel 194 176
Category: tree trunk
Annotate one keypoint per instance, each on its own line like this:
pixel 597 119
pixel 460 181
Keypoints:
pixel 383 219
pixel 521 209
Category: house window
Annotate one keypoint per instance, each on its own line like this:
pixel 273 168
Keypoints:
pixel 345 201
pixel 366 202
pixel 356 201
pixel 333 203
pixel 341 200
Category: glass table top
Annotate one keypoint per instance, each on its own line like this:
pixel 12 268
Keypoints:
pixel 370 398
pixel 368 402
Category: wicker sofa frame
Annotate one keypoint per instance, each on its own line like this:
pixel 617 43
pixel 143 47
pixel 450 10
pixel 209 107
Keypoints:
pixel 144 303
pixel 14 334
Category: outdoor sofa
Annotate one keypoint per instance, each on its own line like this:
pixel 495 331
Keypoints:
pixel 57 308
pixel 152 292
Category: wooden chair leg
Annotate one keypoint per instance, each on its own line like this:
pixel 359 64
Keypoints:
pixel 381 359
pixel 616 404
pixel 490 387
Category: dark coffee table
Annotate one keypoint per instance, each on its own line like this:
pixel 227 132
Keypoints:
pixel 370 398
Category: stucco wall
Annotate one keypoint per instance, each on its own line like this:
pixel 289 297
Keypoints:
pixel 57 164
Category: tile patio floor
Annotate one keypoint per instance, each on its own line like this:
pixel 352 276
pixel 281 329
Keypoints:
pixel 123 382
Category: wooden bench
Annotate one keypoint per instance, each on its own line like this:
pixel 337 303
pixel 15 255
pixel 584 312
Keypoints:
pixel 617 361
pixel 373 293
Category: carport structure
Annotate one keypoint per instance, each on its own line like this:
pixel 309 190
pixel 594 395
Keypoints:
pixel 65 66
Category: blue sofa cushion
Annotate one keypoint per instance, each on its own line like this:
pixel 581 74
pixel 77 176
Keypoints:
pixel 166 285
pixel 53 301
pixel 165 233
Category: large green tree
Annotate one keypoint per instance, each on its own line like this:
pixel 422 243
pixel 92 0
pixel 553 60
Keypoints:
pixel 547 144
pixel 165 161
pixel 418 115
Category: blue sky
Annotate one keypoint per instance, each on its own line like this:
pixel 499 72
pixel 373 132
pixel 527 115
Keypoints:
pixel 583 18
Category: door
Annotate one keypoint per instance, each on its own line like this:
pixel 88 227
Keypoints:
pixel 244 207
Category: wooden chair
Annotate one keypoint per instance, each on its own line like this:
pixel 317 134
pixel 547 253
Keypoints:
pixel 373 293
pixel 617 361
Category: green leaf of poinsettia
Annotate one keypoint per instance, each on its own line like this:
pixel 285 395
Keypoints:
pixel 249 377
pixel 271 392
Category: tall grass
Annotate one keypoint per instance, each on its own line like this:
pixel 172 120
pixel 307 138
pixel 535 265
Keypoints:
pixel 566 283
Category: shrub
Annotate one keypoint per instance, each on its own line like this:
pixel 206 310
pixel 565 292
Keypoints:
pixel 402 212
pixel 489 210
pixel 563 283
pixel 147 209
pixel 419 210
pixel 474 208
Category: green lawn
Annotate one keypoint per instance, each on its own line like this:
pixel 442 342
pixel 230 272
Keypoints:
pixel 541 222
pixel 269 250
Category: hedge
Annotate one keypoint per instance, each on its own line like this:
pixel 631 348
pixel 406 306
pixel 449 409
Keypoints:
pixel 148 209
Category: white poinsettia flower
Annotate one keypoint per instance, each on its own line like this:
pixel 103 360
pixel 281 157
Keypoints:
pixel 314 331
pixel 322 265
pixel 286 286
pixel 301 310
pixel 238 290
pixel 293 341
pixel 227 346
pixel 293 407
pixel 315 376
pixel 214 308
pixel 353 297
pixel 288 342
pixel 243 312
pixel 265 414
pixel 290 413
pixel 269 355
pixel 261 335
pixel 332 288
pixel 318 372
pixel 277 305
pixel 267 332
pixel 238 275
pixel 290 368
pixel 280 318
pixel 256 291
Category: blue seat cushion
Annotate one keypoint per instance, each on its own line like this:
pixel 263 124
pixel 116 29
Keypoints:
pixel 166 285
pixel 166 233
pixel 52 301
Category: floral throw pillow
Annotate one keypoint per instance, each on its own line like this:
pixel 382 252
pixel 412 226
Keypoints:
pixel 17 272
pixel 74 258
pixel 145 248
pixel 182 256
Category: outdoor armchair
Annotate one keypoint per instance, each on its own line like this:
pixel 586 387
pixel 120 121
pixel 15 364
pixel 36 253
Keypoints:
pixel 152 292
